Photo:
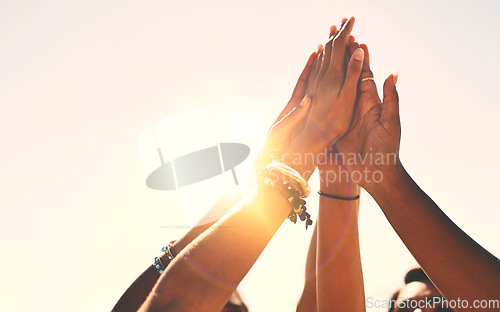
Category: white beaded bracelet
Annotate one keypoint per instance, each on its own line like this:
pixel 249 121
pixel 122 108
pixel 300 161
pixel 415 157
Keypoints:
pixel 305 189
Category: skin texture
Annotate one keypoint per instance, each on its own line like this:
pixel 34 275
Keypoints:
pixel 338 265
pixel 331 104
pixel 327 106
pixel 339 277
pixel 334 279
pixel 206 272
pixel 137 292
pixel 307 301
pixel 447 254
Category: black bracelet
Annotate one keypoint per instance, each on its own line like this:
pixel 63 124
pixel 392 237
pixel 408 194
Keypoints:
pixel 338 197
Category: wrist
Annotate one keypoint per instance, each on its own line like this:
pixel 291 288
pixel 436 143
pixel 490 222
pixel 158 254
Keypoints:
pixel 341 190
pixel 337 182
pixel 392 177
pixel 301 157
pixel 345 187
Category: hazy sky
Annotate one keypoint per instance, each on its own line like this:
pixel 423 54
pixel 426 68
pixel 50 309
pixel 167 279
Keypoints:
pixel 81 80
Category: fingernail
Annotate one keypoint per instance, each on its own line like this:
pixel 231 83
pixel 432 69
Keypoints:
pixel 359 54
pixel 395 77
pixel 305 101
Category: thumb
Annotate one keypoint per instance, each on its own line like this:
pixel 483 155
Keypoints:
pixel 300 88
pixel 390 103
pixel 284 130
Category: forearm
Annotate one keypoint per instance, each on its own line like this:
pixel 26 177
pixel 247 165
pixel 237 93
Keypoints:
pixel 307 301
pixel 338 267
pixel 203 276
pixel 456 264
pixel 137 293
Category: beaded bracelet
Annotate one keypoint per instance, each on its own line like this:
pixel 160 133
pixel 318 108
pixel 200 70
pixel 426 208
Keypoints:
pixel 304 188
pixel 168 250
pixel 157 264
pixel 291 194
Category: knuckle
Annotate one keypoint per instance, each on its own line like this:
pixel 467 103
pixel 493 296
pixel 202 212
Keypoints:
pixel 391 97
pixel 366 73
pixel 339 39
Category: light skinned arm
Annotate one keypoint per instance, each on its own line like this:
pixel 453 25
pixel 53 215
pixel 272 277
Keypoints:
pixel 138 291
pixel 334 278
pixel 307 301
pixel 339 276
pixel 202 276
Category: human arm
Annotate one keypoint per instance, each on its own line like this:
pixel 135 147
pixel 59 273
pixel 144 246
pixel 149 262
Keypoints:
pixel 307 301
pixel 137 292
pixel 339 275
pixel 203 275
pixel 334 280
pixel 456 264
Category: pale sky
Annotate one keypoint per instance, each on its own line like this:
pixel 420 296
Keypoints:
pixel 81 80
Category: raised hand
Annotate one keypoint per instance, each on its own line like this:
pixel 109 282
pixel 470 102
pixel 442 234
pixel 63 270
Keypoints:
pixel 370 149
pixel 290 122
pixel 442 249
pixel 333 89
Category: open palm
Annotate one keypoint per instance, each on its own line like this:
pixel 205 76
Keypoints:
pixel 371 147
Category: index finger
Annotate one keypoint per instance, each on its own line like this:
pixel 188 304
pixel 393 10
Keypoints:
pixel 338 67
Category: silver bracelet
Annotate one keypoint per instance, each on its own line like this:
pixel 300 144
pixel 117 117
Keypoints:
pixel 158 265
pixel 167 250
